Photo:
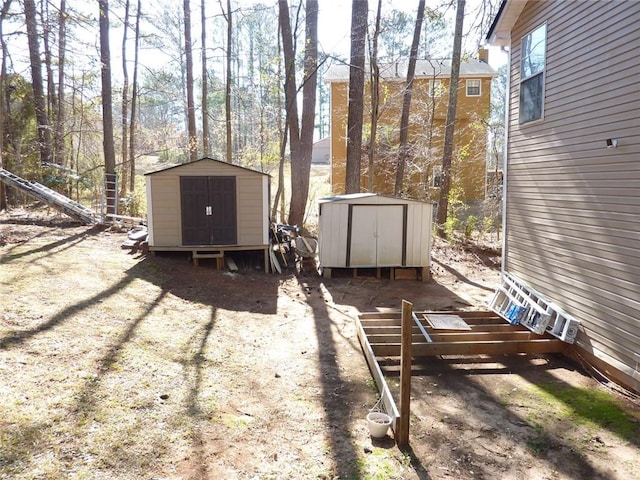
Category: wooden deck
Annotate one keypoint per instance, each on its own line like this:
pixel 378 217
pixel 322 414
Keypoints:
pixel 486 333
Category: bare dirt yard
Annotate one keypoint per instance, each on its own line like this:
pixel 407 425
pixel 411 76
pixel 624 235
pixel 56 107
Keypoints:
pixel 122 366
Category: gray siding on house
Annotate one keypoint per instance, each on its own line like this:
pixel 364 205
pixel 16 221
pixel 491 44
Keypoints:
pixel 573 205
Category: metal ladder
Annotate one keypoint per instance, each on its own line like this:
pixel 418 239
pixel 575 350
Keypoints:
pixel 519 304
pixel 51 197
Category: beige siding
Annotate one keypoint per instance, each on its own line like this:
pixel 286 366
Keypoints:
pixel 251 197
pixel 252 191
pixel 572 214
pixel 165 198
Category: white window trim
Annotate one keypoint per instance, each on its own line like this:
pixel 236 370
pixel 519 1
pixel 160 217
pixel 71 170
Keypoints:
pixel 542 72
pixel 479 87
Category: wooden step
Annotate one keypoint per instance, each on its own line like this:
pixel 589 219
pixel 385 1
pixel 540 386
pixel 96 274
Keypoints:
pixel 207 255
pixel 219 256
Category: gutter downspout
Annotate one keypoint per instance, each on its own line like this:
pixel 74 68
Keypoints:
pixel 505 161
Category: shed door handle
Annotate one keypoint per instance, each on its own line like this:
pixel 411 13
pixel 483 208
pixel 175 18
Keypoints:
pixel 208 211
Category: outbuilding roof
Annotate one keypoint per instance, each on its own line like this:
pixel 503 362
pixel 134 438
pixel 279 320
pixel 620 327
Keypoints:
pixel 206 159
pixel 366 195
pixel 440 68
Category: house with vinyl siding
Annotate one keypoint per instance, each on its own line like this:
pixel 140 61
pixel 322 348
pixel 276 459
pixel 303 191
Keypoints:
pixel 572 168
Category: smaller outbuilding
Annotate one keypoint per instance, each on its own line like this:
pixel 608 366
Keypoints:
pixel 208 207
pixel 366 230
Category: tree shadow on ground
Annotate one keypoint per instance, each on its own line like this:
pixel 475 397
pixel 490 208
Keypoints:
pixel 491 414
pixel 337 401
pixel 369 293
pixel 342 399
pixel 462 277
pixel 51 248
pixel 250 291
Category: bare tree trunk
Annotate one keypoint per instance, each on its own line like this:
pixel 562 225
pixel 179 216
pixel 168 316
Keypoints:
pixel 44 137
pixel 280 190
pixel 206 142
pixel 403 153
pixel 134 100
pixel 283 142
pixel 359 13
pixel 3 76
pixel 107 100
pixel 301 164
pixel 447 156
pixel 125 104
pixel 227 96
pixel 290 92
pixel 58 141
pixel 51 101
pixel 374 87
pixel 191 108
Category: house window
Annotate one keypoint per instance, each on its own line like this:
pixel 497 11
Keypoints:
pixel 473 88
pixel 435 88
pixel 436 176
pixel 532 67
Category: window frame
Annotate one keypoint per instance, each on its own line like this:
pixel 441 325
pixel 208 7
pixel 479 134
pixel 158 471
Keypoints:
pixel 527 81
pixel 479 87
pixel 436 90
pixel 436 176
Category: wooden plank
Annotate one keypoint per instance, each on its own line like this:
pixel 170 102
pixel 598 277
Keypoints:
pixel 451 337
pixel 381 383
pixel 469 317
pixel 393 338
pixel 387 330
pixel 379 315
pixel 490 347
pixel 500 327
pixel 382 322
pixel 207 255
pixel 231 264
pixel 409 273
pixel 448 337
pixel 395 329
pixel 275 266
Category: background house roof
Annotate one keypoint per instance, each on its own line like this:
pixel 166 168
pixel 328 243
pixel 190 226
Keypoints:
pixel 500 32
pixel 440 68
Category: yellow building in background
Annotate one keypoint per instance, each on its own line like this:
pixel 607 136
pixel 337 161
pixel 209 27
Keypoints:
pixel 426 128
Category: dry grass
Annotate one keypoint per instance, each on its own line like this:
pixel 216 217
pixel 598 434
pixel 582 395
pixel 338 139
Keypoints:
pixel 87 355
pixel 118 367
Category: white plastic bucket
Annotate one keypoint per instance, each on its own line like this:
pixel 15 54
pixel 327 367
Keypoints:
pixel 379 424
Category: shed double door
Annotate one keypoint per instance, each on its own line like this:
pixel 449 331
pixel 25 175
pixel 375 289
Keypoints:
pixel 377 236
pixel 208 210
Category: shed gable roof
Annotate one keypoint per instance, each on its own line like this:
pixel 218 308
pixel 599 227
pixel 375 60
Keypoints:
pixel 206 159
pixel 349 197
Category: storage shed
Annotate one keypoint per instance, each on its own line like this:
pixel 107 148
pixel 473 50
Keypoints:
pixel 207 208
pixel 365 230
